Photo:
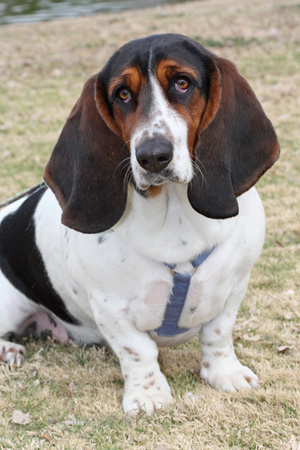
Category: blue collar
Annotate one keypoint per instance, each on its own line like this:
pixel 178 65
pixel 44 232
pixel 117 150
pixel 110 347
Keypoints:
pixel 181 283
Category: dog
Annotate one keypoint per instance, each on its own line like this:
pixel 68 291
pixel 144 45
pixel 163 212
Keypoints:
pixel 149 223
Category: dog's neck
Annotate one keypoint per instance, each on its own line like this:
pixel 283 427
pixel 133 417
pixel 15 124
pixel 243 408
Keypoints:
pixel 166 228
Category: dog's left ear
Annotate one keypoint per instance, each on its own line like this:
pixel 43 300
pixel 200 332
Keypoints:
pixel 236 142
pixel 86 170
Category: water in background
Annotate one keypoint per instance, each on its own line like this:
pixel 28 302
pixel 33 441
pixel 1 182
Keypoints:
pixel 18 11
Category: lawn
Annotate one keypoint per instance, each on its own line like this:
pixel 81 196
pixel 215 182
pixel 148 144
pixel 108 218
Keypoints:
pixel 68 397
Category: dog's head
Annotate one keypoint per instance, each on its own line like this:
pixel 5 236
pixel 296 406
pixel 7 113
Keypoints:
pixel 164 109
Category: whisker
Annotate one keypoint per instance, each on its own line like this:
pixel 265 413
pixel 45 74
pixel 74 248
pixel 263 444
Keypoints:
pixel 196 165
pixel 127 178
pixel 124 162
pixel 125 143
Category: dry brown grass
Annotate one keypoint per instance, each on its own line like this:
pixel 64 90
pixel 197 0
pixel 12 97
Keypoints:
pixel 72 394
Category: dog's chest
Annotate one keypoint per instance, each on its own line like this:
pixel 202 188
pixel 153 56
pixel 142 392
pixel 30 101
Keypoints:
pixel 136 288
pixel 204 300
pixel 128 265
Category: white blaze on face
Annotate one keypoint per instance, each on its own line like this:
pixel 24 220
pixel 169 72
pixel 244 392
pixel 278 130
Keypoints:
pixel 164 121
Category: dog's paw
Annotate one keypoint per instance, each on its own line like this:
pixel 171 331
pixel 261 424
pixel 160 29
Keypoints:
pixel 240 377
pixel 149 396
pixel 11 353
pixel 145 403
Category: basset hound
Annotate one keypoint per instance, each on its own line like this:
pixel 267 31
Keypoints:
pixel 148 226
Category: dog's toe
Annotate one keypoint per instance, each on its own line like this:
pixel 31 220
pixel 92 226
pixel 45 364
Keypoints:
pixel 11 353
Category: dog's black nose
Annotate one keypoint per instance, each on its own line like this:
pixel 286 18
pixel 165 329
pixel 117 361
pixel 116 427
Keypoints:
pixel 154 155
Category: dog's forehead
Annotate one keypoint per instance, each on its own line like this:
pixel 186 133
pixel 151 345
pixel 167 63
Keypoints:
pixel 146 53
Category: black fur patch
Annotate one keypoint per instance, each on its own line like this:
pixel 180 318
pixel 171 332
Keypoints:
pixel 21 261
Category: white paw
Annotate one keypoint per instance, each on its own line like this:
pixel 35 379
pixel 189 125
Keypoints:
pixel 12 353
pixel 240 377
pixel 134 404
pixel 148 396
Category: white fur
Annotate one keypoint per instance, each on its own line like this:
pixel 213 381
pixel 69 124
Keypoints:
pixel 123 285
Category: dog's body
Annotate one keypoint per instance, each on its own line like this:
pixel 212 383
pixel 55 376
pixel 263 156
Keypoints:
pixel 146 173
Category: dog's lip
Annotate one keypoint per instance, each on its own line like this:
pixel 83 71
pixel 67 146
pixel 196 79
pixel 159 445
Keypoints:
pixel 144 187
pixel 156 179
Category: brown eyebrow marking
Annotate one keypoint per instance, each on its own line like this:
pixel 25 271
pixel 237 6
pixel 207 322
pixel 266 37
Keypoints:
pixel 130 77
pixel 192 113
pixel 168 68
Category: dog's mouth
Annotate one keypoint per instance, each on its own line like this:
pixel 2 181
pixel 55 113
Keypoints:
pixel 158 179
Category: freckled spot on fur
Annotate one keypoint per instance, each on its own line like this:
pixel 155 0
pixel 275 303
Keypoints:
pixel 152 383
pixel 218 331
pixel 149 375
pixel 158 388
pixel 208 344
pixel 183 242
pixel 125 377
pixel 101 239
pixel 206 364
pixel 130 351
pixel 137 385
pixel 248 379
pixel 137 359
pixel 144 134
pixel 75 291
pixel 218 353
pixel 146 387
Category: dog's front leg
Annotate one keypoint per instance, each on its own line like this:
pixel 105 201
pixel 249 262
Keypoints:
pixel 219 365
pixel 145 387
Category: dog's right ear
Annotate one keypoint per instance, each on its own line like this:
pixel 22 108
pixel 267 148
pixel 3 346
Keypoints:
pixel 87 168
pixel 236 142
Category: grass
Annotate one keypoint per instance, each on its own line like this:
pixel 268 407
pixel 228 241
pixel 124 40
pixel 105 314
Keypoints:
pixel 72 394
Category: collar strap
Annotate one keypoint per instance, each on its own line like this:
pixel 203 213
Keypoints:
pixel 181 283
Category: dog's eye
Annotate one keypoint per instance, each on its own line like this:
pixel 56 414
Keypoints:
pixel 124 95
pixel 182 85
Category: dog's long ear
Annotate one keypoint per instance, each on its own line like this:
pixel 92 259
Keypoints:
pixel 236 143
pixel 86 170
